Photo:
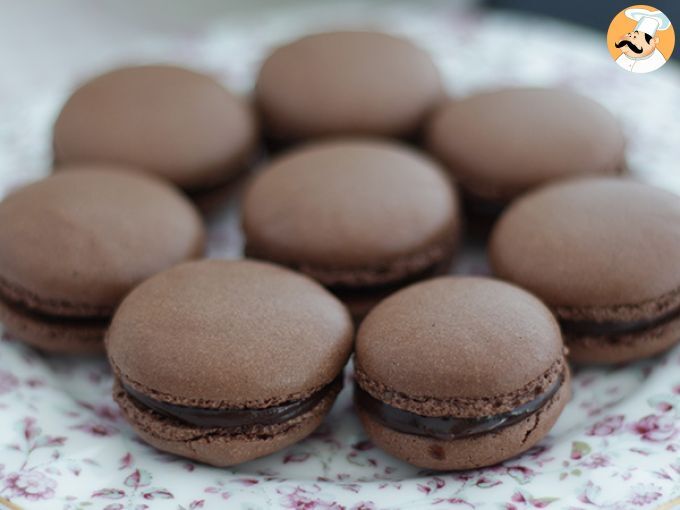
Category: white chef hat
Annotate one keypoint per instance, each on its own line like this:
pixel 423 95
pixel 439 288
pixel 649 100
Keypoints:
pixel 648 21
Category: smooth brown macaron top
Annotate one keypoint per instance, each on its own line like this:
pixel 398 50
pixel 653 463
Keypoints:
pixel 349 204
pixel 459 340
pixel 75 243
pixel 502 143
pixel 346 83
pixel 218 333
pixel 594 245
pixel 174 122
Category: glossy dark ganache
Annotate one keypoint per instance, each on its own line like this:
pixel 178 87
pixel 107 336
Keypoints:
pixel 48 318
pixel 605 328
pixel 448 427
pixel 232 417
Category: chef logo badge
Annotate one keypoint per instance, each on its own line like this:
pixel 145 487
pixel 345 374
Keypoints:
pixel 640 39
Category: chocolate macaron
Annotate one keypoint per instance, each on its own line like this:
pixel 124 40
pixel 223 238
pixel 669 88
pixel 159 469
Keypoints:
pixel 362 217
pixel 602 253
pixel 176 123
pixel 459 373
pixel 226 361
pixel 346 83
pixel 73 244
pixel 500 144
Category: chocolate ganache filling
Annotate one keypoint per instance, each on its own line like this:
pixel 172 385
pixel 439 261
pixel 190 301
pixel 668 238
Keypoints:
pixel 233 417
pixel 36 315
pixel 448 427
pixel 576 327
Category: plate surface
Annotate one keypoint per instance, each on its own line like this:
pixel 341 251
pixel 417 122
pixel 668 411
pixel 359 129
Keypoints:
pixel 63 443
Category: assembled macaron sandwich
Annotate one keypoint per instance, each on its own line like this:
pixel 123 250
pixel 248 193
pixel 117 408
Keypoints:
pixel 603 254
pixel 225 361
pixel 362 216
pixel 73 244
pixel 459 372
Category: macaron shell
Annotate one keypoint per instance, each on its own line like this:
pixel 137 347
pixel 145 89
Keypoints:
pixel 623 348
pixel 473 452
pixel 75 243
pixel 349 204
pixel 602 247
pixel 346 83
pixel 218 333
pixel 72 337
pixel 212 446
pixel 174 122
pixel 435 339
pixel 502 143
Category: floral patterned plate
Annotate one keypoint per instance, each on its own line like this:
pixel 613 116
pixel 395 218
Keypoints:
pixel 64 445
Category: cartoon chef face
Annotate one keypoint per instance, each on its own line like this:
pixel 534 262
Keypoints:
pixel 637 44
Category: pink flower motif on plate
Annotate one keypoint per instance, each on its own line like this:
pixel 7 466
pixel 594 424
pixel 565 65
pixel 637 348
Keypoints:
pixel 644 494
pixel 32 485
pixel 97 429
pixel 596 460
pixel 655 427
pixel 300 499
pixel 365 505
pixel 606 427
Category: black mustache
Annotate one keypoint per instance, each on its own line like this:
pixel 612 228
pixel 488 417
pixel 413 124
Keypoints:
pixel 626 42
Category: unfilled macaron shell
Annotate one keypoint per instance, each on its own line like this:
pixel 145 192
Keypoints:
pixel 235 333
pixel 502 143
pixel 174 122
pixel 73 244
pixel 348 206
pixel 346 83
